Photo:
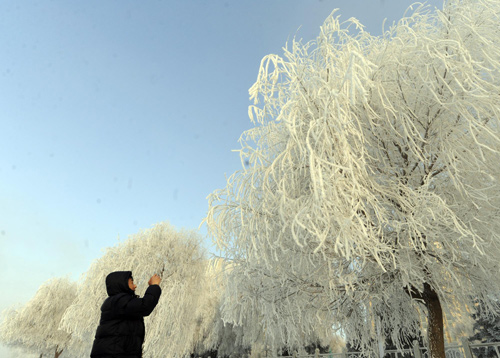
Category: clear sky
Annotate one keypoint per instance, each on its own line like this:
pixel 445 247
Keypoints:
pixel 118 114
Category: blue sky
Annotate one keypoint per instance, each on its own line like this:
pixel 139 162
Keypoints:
pixel 116 115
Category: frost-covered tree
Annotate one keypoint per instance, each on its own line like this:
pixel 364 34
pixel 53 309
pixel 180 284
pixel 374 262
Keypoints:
pixel 10 328
pixel 34 326
pixel 372 190
pixel 486 329
pixel 177 256
pixel 458 323
pixel 214 336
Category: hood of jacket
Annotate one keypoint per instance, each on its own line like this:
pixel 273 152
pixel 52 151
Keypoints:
pixel 117 282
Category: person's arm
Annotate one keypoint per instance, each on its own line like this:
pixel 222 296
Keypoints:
pixel 143 306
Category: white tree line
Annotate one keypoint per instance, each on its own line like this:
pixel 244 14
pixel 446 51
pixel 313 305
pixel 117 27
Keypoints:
pixel 61 319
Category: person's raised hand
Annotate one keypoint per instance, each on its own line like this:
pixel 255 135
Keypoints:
pixel 154 280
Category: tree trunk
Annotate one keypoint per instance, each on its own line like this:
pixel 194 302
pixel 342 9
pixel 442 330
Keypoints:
pixel 380 340
pixel 435 331
pixel 58 353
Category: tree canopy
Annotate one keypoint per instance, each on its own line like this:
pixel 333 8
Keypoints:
pixel 372 190
pixel 177 256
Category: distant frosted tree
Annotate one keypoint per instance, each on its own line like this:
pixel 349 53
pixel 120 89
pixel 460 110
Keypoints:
pixel 34 327
pixel 177 256
pixel 337 344
pixel 486 329
pixel 10 328
pixel 372 188
pixel 214 335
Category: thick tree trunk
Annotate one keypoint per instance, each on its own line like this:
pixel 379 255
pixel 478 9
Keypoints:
pixel 435 331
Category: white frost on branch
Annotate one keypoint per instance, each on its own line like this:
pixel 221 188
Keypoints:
pixel 373 170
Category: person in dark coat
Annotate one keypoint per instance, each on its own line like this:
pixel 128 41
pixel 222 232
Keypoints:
pixel 121 331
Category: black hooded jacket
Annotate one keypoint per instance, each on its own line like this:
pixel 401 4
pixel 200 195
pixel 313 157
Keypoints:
pixel 121 330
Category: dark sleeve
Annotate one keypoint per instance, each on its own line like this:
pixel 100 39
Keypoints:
pixel 143 306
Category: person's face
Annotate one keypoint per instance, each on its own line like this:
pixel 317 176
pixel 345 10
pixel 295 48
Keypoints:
pixel 131 284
